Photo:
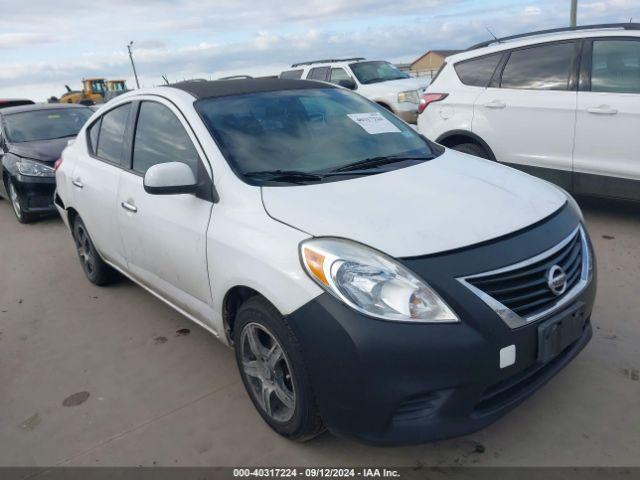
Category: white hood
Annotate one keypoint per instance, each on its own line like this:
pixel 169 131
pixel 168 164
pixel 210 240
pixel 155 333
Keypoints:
pixel 453 201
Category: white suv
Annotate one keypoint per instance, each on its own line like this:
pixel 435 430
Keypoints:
pixel 370 281
pixel 379 81
pixel 561 104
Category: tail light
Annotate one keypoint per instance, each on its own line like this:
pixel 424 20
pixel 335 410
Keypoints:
pixel 429 98
pixel 57 164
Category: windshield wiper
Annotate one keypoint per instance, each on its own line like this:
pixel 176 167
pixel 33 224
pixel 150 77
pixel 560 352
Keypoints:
pixel 373 162
pixel 293 176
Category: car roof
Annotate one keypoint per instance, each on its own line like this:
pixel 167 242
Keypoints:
pixel 39 106
pixel 534 38
pixel 224 88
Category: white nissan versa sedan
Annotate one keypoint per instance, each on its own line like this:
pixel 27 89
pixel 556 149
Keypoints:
pixel 370 281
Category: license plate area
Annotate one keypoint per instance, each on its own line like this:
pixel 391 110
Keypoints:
pixel 560 331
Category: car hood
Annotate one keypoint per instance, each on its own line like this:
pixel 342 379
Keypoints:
pixel 453 201
pixel 43 150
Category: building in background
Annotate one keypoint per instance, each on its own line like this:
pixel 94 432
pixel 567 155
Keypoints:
pixel 428 64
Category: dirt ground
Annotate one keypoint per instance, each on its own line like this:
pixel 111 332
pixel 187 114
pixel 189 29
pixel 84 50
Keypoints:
pixel 112 376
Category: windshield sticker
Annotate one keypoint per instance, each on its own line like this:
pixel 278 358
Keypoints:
pixel 373 123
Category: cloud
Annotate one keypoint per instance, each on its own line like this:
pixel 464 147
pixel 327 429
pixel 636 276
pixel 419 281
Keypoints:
pixel 45 47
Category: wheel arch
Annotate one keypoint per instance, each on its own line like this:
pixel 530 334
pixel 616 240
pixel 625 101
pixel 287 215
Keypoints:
pixel 232 301
pixel 456 137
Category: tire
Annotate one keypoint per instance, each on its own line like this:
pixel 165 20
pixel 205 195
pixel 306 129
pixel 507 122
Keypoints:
pixel 281 372
pixel 16 204
pixel 472 149
pixel 96 270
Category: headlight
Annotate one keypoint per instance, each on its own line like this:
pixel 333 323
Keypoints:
pixel 371 282
pixel 30 168
pixel 410 96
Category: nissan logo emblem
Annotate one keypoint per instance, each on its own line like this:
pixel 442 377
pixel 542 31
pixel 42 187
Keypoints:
pixel 557 280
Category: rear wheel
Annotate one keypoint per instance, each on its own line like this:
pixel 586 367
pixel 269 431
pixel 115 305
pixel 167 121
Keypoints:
pixel 273 371
pixel 16 203
pixel 472 149
pixel 96 270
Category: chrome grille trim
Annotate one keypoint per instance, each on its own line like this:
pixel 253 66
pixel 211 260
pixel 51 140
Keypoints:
pixel 511 318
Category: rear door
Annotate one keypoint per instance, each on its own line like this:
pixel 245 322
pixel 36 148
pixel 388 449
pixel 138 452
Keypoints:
pixel 95 180
pixel 165 235
pixel 527 115
pixel 607 147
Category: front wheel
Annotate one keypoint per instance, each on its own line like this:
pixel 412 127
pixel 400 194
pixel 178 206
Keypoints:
pixel 273 371
pixel 16 203
pixel 96 270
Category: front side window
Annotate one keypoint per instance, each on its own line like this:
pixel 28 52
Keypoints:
pixel 45 124
pixel 338 74
pixel 161 138
pixel 111 136
pixel 477 72
pixel 615 66
pixel 545 67
pixel 311 131
pixel 376 72
pixel 318 73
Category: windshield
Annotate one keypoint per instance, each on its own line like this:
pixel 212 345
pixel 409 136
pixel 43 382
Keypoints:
pixel 45 124
pixel 308 131
pixel 375 72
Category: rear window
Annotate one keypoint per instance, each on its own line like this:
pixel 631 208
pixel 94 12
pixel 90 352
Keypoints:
pixel 292 74
pixel 318 73
pixel 111 135
pixel 477 72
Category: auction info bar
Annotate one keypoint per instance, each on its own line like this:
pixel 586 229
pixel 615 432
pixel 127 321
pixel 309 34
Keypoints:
pixel 373 472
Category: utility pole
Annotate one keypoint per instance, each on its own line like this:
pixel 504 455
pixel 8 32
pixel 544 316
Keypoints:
pixel 573 21
pixel 135 74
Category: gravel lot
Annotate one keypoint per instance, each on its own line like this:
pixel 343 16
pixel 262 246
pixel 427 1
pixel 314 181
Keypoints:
pixel 112 376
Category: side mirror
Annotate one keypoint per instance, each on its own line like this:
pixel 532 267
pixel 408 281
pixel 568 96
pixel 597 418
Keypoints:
pixel 347 83
pixel 170 179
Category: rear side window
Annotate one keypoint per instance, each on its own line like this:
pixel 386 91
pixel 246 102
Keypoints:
pixel 318 73
pixel 292 74
pixel 161 138
pixel 545 67
pixel 111 137
pixel 616 66
pixel 477 72
pixel 93 134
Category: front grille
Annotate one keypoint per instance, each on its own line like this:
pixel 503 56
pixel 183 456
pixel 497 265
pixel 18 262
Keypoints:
pixel 523 288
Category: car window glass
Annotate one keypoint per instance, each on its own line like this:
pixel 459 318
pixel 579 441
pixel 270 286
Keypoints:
pixel 545 67
pixel 161 138
pixel 338 74
pixel 616 66
pixel 478 71
pixel 318 73
pixel 94 131
pixel 45 124
pixel 292 74
pixel 307 130
pixel 112 130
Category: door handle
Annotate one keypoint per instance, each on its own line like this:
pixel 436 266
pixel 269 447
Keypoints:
pixel 127 206
pixel 77 183
pixel 495 104
pixel 602 110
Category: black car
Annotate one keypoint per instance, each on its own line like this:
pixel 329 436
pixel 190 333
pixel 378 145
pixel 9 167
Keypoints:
pixel 14 102
pixel 32 138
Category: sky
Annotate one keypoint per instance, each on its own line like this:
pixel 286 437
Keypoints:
pixel 45 44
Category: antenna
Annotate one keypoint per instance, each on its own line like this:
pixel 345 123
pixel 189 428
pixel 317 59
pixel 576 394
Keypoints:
pixel 491 33
pixel 166 82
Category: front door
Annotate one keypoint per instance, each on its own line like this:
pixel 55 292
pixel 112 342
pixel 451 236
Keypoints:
pixel 607 149
pixel 165 235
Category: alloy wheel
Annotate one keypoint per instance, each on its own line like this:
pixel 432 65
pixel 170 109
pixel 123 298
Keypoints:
pixel 268 372
pixel 15 201
pixel 85 250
